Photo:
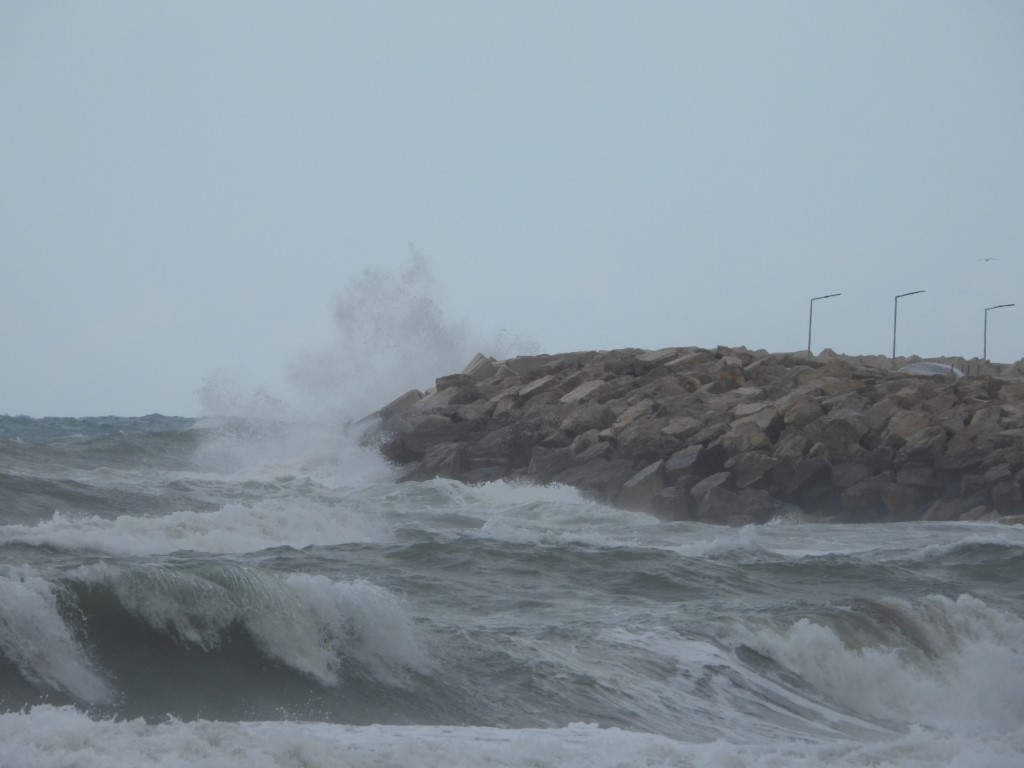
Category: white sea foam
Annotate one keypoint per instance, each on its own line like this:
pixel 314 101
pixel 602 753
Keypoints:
pixel 997 536
pixel 327 452
pixel 296 522
pixel 524 513
pixel 35 638
pixel 970 678
pixel 57 737
pixel 366 622
pixel 312 624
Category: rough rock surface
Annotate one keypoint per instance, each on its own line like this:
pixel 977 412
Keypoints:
pixel 725 435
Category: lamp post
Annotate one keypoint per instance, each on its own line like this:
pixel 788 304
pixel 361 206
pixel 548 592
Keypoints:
pixel 984 353
pixel 895 309
pixel 810 318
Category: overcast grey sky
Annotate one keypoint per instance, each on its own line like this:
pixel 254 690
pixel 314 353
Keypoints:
pixel 187 189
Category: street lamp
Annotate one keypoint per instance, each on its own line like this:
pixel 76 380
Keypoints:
pixel 984 354
pixel 810 319
pixel 895 309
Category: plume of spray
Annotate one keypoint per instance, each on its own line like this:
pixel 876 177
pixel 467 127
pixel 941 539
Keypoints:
pixel 390 336
pixel 221 396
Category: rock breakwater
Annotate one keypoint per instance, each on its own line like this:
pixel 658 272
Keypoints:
pixel 723 435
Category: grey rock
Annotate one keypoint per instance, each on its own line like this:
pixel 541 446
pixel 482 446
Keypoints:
pixel 582 392
pixel 672 503
pixel 945 509
pixel 847 475
pixel 480 368
pixel 1006 497
pixel 751 468
pixel 600 479
pixel 637 492
pixel 538 386
pixel 717 480
pixel 684 461
pixel 926 446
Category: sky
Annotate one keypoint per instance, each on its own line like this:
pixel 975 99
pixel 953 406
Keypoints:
pixel 204 202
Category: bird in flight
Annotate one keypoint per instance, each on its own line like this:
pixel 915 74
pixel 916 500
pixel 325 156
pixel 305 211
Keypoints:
pixel 988 258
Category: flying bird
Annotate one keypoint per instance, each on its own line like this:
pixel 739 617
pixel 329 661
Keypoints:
pixel 988 258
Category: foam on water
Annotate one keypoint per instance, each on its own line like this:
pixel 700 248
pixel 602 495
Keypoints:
pixel 35 638
pixel 991 536
pixel 327 452
pixel 312 624
pixel 56 737
pixel 702 683
pixel 522 513
pixel 950 664
pixel 296 522
pixel 559 514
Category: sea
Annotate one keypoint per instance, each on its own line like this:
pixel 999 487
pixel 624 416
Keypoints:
pixel 242 592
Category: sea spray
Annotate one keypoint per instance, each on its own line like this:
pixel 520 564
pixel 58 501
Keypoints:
pixel 35 638
pixel 390 336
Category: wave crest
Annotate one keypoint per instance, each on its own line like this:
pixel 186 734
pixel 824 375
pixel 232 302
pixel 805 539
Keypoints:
pixel 318 627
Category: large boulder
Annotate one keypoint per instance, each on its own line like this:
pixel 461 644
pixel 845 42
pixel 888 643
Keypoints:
pixel 638 491
pixel 840 431
pixel 752 467
pixel 672 503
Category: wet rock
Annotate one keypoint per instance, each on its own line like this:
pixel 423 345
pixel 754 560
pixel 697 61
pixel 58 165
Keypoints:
pixel 429 431
pixel 918 476
pixel 587 416
pixel 752 468
pixel 863 500
pixel 638 491
pixel 672 503
pixel 547 463
pixel 685 461
pixel 444 459
pixel 601 479
pixel 509 447
pixel 717 505
pixel 902 502
pixel 945 509
pixel 1006 497
pixel 717 480
pixel 745 436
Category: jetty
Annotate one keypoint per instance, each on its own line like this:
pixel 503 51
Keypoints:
pixel 727 435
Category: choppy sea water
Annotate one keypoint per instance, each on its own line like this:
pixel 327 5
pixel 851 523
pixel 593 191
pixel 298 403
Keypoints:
pixel 240 594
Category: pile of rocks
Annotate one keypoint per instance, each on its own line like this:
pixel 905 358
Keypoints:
pixel 724 435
